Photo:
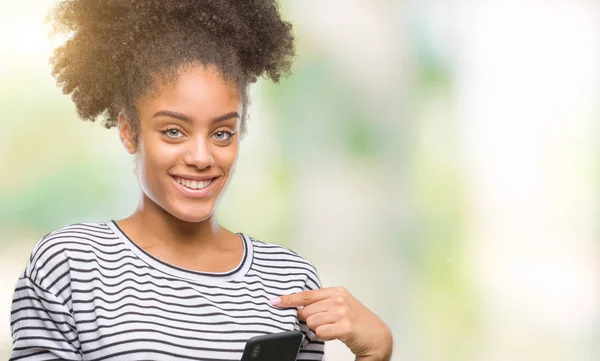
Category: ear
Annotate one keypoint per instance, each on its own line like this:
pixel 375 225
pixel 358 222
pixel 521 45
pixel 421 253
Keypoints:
pixel 126 134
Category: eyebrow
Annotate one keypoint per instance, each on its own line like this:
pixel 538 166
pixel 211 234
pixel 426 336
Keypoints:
pixel 185 118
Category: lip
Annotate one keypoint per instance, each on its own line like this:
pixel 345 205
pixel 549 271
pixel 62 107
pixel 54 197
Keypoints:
pixel 194 177
pixel 196 193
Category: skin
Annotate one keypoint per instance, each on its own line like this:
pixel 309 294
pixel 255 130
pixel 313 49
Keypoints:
pixel 334 314
pixel 168 224
pixel 183 231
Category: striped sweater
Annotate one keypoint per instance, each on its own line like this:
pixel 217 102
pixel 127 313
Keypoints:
pixel 89 293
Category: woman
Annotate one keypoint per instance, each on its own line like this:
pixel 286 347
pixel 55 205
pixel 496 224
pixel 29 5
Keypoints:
pixel 169 282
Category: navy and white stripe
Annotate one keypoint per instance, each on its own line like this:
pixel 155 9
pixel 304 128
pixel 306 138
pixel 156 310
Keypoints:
pixel 89 293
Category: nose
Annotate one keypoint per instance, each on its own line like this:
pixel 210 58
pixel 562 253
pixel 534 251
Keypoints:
pixel 198 154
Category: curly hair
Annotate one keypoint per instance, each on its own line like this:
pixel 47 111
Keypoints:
pixel 119 50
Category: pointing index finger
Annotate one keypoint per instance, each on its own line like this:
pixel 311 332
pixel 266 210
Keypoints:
pixel 303 298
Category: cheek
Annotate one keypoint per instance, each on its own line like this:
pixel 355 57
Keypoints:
pixel 227 157
pixel 155 158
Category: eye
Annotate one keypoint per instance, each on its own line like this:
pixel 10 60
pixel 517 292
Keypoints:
pixel 173 133
pixel 223 136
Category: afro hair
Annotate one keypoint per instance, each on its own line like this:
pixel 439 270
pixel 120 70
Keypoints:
pixel 119 50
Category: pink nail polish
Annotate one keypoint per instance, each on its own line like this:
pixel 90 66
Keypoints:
pixel 276 301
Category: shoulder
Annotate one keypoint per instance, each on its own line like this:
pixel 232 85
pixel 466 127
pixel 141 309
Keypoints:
pixel 271 256
pixel 277 252
pixel 52 250
pixel 74 236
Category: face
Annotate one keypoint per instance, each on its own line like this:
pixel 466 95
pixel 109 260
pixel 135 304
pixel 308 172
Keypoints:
pixel 188 143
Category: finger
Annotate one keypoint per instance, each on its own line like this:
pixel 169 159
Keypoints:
pixel 320 319
pixel 317 307
pixel 303 298
pixel 329 331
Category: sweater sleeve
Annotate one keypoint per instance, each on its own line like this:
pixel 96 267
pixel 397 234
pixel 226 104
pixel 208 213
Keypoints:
pixel 312 347
pixel 41 319
pixel 42 326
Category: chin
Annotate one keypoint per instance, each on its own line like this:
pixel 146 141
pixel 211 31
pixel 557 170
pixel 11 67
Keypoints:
pixel 192 215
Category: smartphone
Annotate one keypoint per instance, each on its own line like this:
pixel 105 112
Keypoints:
pixel 283 346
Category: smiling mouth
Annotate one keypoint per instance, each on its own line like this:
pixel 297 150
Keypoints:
pixel 194 184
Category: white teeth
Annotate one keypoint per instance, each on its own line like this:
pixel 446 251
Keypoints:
pixel 192 184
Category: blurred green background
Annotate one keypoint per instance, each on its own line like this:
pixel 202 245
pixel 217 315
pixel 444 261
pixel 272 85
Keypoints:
pixel 437 158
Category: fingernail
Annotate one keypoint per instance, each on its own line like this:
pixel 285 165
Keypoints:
pixel 275 301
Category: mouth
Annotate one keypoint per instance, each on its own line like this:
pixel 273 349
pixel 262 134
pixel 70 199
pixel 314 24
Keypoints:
pixel 195 188
pixel 194 184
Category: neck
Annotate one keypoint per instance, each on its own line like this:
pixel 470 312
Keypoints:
pixel 202 246
pixel 156 227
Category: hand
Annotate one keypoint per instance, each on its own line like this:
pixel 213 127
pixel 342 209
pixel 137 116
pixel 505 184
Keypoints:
pixel 333 313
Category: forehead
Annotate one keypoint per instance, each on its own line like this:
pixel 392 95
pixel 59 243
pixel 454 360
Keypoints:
pixel 197 91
